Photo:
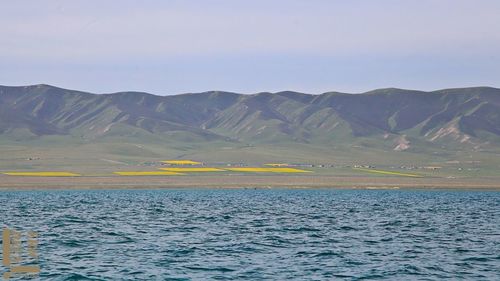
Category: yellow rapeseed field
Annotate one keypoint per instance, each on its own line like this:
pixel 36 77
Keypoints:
pixel 388 173
pixel 268 170
pixel 148 173
pixel 182 162
pixel 193 170
pixel 277 164
pixel 43 174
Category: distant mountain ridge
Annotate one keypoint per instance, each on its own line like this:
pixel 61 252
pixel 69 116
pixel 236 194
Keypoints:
pixel 397 118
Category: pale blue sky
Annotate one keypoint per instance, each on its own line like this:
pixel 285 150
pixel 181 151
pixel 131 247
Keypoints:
pixel 313 46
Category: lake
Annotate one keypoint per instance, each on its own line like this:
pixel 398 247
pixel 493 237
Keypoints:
pixel 246 234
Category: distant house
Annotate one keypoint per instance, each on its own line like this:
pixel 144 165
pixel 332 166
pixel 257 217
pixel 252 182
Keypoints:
pixel 277 164
pixel 432 167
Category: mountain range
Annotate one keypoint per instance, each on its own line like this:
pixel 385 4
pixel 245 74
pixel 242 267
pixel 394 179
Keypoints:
pixel 388 119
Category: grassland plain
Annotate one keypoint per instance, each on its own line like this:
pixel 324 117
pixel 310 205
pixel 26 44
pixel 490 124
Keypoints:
pixel 322 177
pixel 392 173
pixel 54 153
pixel 333 167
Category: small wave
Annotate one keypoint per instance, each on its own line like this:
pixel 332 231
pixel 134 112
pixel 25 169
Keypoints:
pixel 76 276
pixel 480 259
pixel 327 254
pixel 200 268
pixel 72 243
pixel 347 228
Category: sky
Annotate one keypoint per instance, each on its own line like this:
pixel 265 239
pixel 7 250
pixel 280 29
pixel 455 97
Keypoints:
pixel 312 46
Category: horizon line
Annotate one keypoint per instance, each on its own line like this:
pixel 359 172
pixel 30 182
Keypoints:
pixel 256 93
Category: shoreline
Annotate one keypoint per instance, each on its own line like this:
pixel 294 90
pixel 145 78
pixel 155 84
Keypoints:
pixel 13 183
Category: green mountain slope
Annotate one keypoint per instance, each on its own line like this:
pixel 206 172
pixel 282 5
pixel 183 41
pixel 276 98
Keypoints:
pixel 395 120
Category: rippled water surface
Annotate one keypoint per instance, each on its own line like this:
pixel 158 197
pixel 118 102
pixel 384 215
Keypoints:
pixel 260 234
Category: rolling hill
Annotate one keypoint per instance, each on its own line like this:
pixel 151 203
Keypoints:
pixel 397 122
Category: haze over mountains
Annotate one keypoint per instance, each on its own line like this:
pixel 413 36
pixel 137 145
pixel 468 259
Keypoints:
pixel 396 117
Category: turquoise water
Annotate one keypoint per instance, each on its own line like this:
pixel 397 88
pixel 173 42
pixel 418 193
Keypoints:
pixel 260 234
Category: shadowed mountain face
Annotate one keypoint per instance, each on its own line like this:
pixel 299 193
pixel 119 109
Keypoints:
pixel 398 118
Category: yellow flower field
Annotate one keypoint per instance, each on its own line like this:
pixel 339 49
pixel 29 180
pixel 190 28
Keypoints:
pixel 276 164
pixel 388 173
pixel 181 162
pixel 268 170
pixel 148 173
pixel 43 174
pixel 193 170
